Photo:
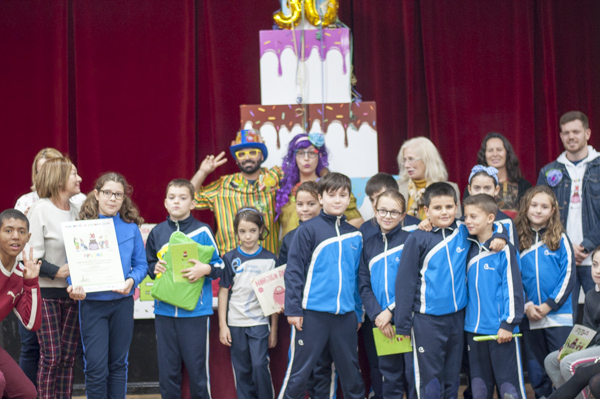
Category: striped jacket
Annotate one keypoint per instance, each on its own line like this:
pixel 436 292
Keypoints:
pixel 232 192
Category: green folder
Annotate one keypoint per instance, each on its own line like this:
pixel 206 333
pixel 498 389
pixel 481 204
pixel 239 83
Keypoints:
pixel 180 256
pixel 386 346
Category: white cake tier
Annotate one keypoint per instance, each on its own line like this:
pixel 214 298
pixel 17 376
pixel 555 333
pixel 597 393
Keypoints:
pixel 319 74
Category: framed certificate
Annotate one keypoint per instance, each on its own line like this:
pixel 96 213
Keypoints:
pixel 93 255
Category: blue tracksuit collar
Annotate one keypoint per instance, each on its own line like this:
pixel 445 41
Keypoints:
pixel 539 234
pixel 483 247
pixel 452 227
pixel 390 236
pixel 180 225
pixel 333 219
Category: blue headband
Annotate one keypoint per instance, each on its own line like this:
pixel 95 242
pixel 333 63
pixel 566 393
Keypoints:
pixel 489 170
pixel 250 209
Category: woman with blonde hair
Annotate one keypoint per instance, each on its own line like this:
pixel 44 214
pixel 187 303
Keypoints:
pixel 56 183
pixel 421 165
pixel 30 349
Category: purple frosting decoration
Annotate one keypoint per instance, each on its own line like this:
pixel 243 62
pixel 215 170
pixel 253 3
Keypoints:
pixel 553 177
pixel 276 41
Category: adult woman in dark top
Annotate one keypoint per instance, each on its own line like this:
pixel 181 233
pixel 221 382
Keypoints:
pixel 497 151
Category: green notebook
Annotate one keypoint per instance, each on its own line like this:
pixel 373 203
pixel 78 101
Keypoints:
pixel 386 346
pixel 180 256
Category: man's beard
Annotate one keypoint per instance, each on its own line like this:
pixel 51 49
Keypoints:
pixel 249 167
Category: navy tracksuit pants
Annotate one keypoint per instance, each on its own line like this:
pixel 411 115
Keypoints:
pixel 182 339
pixel 437 353
pixel 493 364
pixel 106 332
pixel 320 330
pixel 250 361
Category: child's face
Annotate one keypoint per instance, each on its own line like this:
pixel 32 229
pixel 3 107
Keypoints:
pixel 73 182
pixel 483 185
pixel 13 237
pixel 441 211
pixel 386 209
pixel 539 211
pixel 335 202
pixel 307 206
pixel 596 268
pixel 108 203
pixel 179 203
pixel 477 221
pixel 374 197
pixel 248 234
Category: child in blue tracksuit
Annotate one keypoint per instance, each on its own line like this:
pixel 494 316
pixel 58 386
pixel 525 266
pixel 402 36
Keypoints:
pixel 484 180
pixel 322 383
pixel 376 185
pixel 377 275
pixel 548 273
pixel 175 326
pixel 494 306
pixel 431 285
pixel 106 318
pixel 322 292
pixel 242 324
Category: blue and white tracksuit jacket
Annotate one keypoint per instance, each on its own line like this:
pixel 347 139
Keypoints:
pixel 549 276
pixel 432 273
pixel 378 269
pixel 322 267
pixel 157 245
pixel 511 229
pixel 494 289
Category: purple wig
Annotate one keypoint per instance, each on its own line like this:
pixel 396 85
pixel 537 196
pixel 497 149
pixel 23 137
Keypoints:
pixel 290 169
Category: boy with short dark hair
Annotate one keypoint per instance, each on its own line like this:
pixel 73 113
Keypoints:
pixel 20 292
pixel 322 292
pixel 494 306
pixel 182 335
pixel 431 284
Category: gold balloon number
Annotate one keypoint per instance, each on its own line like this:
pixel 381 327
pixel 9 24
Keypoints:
pixel 312 15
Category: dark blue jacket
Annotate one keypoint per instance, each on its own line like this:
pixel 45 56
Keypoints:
pixel 591 198
pixel 494 289
pixel 322 267
pixel 378 269
pixel 549 276
pixel 158 243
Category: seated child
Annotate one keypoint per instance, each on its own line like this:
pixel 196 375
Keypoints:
pixel 174 325
pixel 494 306
pixel 322 292
pixel 242 324
pixel 19 292
pixel 560 371
pixel 431 293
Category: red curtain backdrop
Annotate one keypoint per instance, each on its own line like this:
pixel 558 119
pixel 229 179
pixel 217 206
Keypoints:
pixel 150 88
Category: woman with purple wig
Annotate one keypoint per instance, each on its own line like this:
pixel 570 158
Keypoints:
pixel 306 160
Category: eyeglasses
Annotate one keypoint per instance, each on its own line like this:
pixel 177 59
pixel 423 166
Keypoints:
pixel 384 212
pixel 411 161
pixel 312 154
pixel 251 153
pixel 109 194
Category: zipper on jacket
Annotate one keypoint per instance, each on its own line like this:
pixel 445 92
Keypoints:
pixel 451 271
pixel 337 230
pixel 477 290
pixel 385 248
pixel 537 269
